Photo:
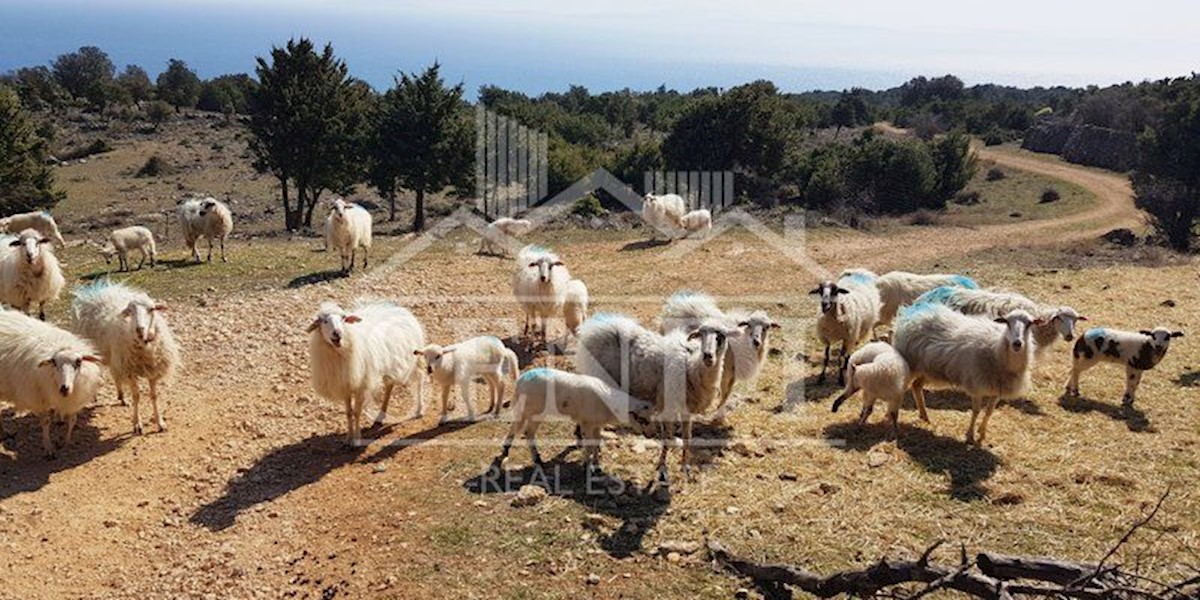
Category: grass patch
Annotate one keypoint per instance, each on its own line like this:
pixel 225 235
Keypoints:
pixel 988 200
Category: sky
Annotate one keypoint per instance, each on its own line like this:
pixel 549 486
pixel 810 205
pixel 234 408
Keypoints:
pixel 546 45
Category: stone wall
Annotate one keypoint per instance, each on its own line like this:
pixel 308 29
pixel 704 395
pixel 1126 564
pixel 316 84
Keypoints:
pixel 1083 144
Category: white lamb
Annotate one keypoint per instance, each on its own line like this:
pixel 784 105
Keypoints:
pixel 1054 322
pixel 900 288
pixel 30 274
pixel 988 360
pixel 38 220
pixel 539 285
pixel 849 311
pixel 483 357
pixel 131 332
pixel 1139 352
pixel 126 240
pixel 663 214
pixel 495 237
pixel 46 371
pixel 882 374
pixel 208 218
pixel 348 228
pixel 697 221
pixel 352 356
pixel 575 305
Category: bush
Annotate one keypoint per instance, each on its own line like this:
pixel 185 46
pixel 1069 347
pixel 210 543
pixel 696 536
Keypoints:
pixel 1049 195
pixel 155 166
pixel 995 174
pixel 970 198
pixel 993 138
pixel 588 206
pixel 925 217
pixel 97 146
pixel 1172 211
pixel 159 112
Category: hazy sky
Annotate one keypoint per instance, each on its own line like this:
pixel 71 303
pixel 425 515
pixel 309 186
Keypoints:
pixel 538 45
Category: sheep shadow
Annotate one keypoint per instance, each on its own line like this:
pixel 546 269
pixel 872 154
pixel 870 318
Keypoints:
pixel 180 263
pixel 809 390
pixel 644 245
pixel 28 470
pixel 1189 379
pixel 960 402
pixel 318 277
pixel 1135 419
pixel 527 350
pixel 967 466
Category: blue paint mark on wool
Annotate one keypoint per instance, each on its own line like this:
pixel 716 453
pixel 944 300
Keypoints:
pixel 965 282
pixel 536 374
pixel 938 295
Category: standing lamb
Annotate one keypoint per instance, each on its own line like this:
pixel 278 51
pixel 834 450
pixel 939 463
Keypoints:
pixel 697 222
pixel 30 274
pixel 882 374
pixel 207 218
pixel 352 356
pixel 849 311
pixel 1139 352
pixel 130 330
pixel 1054 322
pixel 483 357
pixel 539 285
pixel 663 214
pixel 348 228
pixel 46 371
pixel 900 288
pixel 126 240
pixel 495 236
pixel 575 305
pixel 38 220
pixel 988 360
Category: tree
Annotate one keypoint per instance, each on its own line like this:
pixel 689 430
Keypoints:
pixel 228 94
pixel 36 87
pixel 308 126
pixel 26 182
pixel 86 73
pixel 158 112
pixel 136 83
pixel 424 137
pixel 850 111
pixel 1167 180
pixel 178 84
pixel 954 164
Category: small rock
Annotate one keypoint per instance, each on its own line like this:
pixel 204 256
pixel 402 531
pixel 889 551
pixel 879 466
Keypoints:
pixel 110 523
pixel 592 578
pixel 1168 303
pixel 529 495
pixel 732 510
pixel 379 468
pixel 680 547
pixel 741 594
pixel 877 459
pixel 788 477
pixel 1121 237
pixel 608 435
pixel 480 503
pixel 674 557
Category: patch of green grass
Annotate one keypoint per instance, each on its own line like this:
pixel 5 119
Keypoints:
pixel 452 536
pixel 1017 192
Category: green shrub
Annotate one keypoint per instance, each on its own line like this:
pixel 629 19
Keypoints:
pixel 995 174
pixel 1050 195
pixel 155 166
pixel 924 217
pixel 588 206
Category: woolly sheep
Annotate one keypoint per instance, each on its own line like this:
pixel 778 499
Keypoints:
pixel 46 370
pixel 125 240
pixel 697 221
pixel 38 220
pixel 348 228
pixel 988 360
pixel 1139 352
pixel 849 311
pixel 575 305
pixel 131 332
pixel 482 357
pixel 30 274
pixel 539 285
pixel 663 213
pixel 900 288
pixel 496 234
pixel 586 400
pixel 208 218
pixel 1054 321
pixel 352 355
pixel 881 374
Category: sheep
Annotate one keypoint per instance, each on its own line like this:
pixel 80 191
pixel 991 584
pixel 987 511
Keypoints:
pixel 987 359
pixel 882 374
pixel 539 285
pixel 1139 352
pixel 130 330
pixel 30 274
pixel 482 357
pixel 575 305
pixel 697 221
pixel 663 213
pixel 679 372
pixel 348 228
pixel 46 370
pixel 352 355
pixel 1054 321
pixel 900 288
pixel 849 311
pixel 207 218
pixel 38 220
pixel 125 240
pixel 498 231
pixel 586 400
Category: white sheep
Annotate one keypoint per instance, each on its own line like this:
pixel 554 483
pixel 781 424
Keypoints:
pixel 127 239
pixel 539 285
pixel 348 228
pixel 1054 322
pixel 354 355
pixel 130 330
pixel 38 220
pixel 989 360
pixel 483 357
pixel 30 274
pixel 901 288
pixel 46 371
pixel 495 236
pixel 575 305
pixel 543 393
pixel 849 311
pixel 881 374
pixel 663 214
pixel 1139 352
pixel 697 222
pixel 206 218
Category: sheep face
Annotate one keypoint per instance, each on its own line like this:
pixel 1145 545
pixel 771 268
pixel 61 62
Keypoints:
pixel 332 327
pixel 108 252
pixel 758 328
pixel 1016 329
pixel 1160 338
pixel 544 266
pixel 207 206
pixel 713 341
pixel 433 355
pixel 338 211
pixel 66 365
pixel 30 242
pixel 828 292
pixel 142 317
pixel 1064 320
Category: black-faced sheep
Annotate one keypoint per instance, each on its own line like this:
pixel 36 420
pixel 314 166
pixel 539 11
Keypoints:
pixel 849 311
pixel 1054 322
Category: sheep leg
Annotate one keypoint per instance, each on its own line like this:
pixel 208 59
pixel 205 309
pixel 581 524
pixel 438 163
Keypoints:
pixel 918 390
pixel 195 252
pixel 464 390
pixel 1133 378
pixel 366 257
pixel 976 403
pixel 210 249
pixel 359 400
pixel 349 420
pixel 122 262
pixel 824 365
pixel 446 406
pixel 499 397
pixel 661 468
pixel 71 419
pixel 894 414
pixel 137 398
pixel 223 259
pixel 592 455
pixel 383 405
pixel 518 428
pixel 42 311
pixel 420 394
pixel 844 363
pixel 867 407
pixel 121 394
pixel 1077 369
pixel 47 443
pixel 158 418
pixel 530 438
pixel 987 415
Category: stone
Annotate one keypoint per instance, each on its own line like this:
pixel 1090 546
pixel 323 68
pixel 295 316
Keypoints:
pixel 529 495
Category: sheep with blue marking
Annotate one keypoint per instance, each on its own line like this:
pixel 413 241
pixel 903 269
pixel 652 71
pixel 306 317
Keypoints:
pixel 347 230
pixel 1054 322
pixel 539 285
pixel 39 220
pixel 30 274
pixel 1138 351
pixel 901 288
pixel 483 357
pixel 849 312
pixel 879 371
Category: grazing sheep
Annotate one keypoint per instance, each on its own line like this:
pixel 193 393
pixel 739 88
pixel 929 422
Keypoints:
pixel 498 231
pixel 207 218
pixel 482 357
pixel 354 355
pixel 882 374
pixel 586 400
pixel 130 330
pixel 29 273
pixel 46 370
pixel 697 221
pixel 1139 352
pixel 540 285
pixel 900 288
pixel 663 213
pixel 679 372
pixel 849 311
pixel 348 228
pixel 1054 321
pixel 125 240
pixel 38 220
pixel 988 360
pixel 575 305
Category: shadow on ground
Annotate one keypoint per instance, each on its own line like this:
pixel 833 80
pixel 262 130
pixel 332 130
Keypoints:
pixel 318 277
pixel 1134 418
pixel 29 469
pixel 1189 379
pixel 958 401
pixel 644 245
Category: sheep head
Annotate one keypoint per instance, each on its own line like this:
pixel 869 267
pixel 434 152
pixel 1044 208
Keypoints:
pixel 31 242
pixel 433 354
pixel 758 328
pixel 1017 331
pixel 713 339
pixel 67 364
pixel 331 324
pixel 545 266
pixel 1064 319
pixel 142 317
pixel 828 291
pixel 1160 338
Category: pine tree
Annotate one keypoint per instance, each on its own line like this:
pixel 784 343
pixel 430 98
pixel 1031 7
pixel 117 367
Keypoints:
pixel 26 182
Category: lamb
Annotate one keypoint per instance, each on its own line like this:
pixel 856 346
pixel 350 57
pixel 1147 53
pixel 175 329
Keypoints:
pixel 900 288
pixel 30 274
pixel 989 360
pixel 850 310
pixel 348 228
pixel 130 330
pixel 697 221
pixel 127 239
pixel 663 213
pixel 354 355
pixel 207 218
pixel 46 370
pixel 495 236
pixel 539 284
pixel 881 374
pixel 1139 352
pixel 586 400
pixel 1054 321
pixel 575 305
pixel 482 357
pixel 38 220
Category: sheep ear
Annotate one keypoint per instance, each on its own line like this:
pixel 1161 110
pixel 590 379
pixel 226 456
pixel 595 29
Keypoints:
pixel 92 358
pixel 448 349
pixel 557 263
pixel 126 312
pixel 816 290
pixel 693 335
pixel 160 308
pixel 775 325
pixel 43 241
pixel 1081 318
pixel 418 352
pixel 352 319
pixel 46 363
pixel 1146 332
pixel 843 291
pixel 313 326
pixel 1037 322
pixel 743 324
pixel 1000 320
pixel 1176 334
pixel 15 243
pixel 532 264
